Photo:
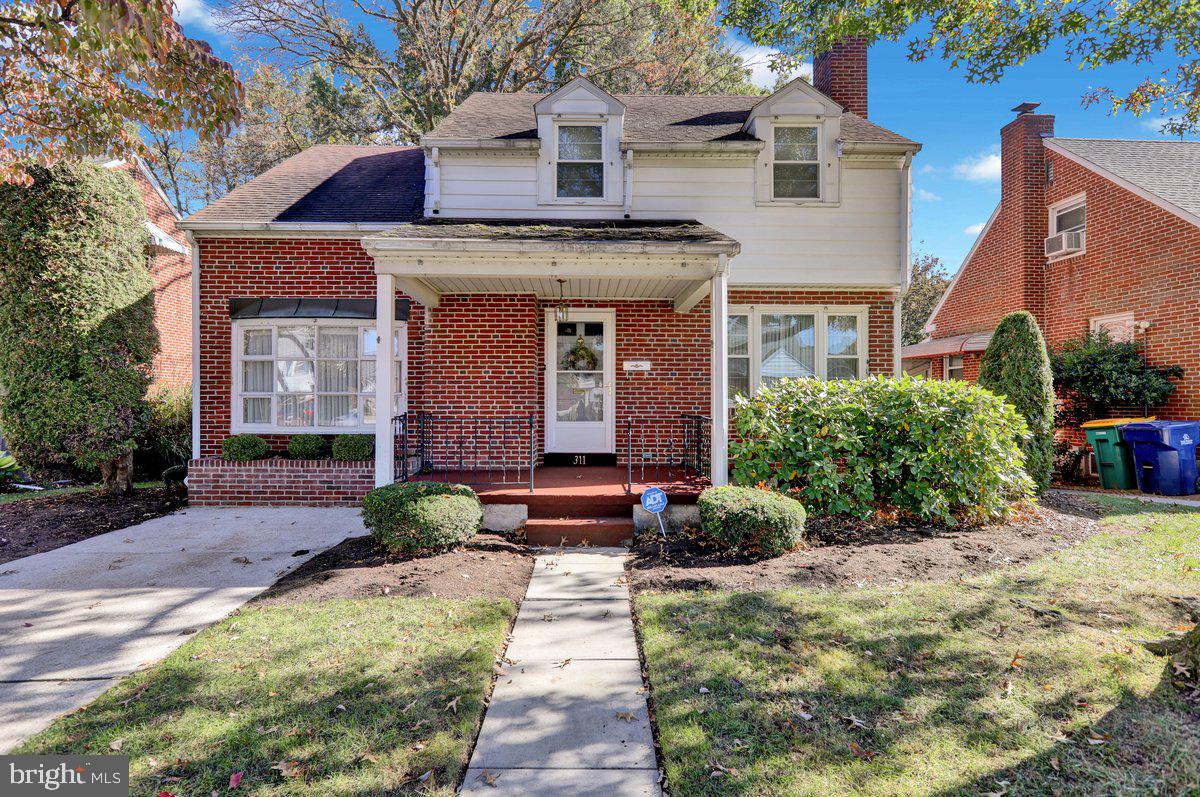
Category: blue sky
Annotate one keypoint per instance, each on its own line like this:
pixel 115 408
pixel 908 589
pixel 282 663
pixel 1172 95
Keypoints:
pixel 956 179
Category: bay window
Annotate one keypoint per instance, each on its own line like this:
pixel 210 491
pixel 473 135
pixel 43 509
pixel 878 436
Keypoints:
pixel 310 376
pixel 767 344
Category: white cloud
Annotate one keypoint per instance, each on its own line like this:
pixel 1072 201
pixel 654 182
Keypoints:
pixel 984 167
pixel 758 58
pixel 927 168
pixel 195 12
pixel 1155 123
pixel 927 196
pixel 975 229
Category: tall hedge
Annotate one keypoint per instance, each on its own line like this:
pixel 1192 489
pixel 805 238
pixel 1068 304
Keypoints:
pixel 944 451
pixel 77 331
pixel 1017 367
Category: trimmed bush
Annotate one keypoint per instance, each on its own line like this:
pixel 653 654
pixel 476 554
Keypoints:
pixel 1016 367
pixel 77 333
pixel 942 451
pixel 756 523
pixel 168 433
pixel 306 446
pixel 1097 376
pixel 173 478
pixel 244 448
pixel 353 447
pixel 414 517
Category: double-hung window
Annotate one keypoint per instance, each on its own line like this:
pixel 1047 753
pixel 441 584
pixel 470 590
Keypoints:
pixel 317 376
pixel 768 344
pixel 796 167
pixel 579 170
pixel 952 367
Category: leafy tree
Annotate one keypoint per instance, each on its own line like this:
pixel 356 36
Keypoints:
pixel 77 331
pixel 78 77
pixel 442 50
pixel 1016 366
pixel 929 281
pixel 1097 375
pixel 984 38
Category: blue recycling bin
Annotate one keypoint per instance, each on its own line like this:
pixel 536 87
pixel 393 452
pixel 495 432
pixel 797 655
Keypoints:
pixel 1164 455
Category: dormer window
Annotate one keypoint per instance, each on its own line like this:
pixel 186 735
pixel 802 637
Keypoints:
pixel 579 171
pixel 797 165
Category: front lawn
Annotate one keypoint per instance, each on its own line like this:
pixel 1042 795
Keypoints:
pixel 1027 680
pixel 379 695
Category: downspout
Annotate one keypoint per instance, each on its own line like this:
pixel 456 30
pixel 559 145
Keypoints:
pixel 191 239
pixel 896 362
pixel 628 186
pixel 905 257
pixel 435 189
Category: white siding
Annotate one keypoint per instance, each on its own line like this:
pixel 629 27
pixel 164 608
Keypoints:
pixel 858 242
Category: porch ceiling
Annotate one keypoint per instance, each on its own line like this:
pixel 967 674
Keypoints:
pixel 572 288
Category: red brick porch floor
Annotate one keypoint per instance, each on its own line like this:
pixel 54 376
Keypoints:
pixel 572 505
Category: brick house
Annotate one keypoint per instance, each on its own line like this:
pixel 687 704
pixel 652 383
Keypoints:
pixel 1089 233
pixel 571 280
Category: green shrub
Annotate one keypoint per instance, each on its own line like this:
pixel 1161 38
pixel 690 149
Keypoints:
pixel 168 433
pixel 77 332
pixel 1097 376
pixel 173 478
pixel 353 447
pixel 757 523
pixel 8 469
pixel 306 446
pixel 422 516
pixel 244 448
pixel 929 449
pixel 1017 368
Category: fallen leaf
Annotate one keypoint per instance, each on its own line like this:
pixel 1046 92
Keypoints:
pixel 562 664
pixel 116 744
pixel 453 705
pixel 235 779
pixel 488 778
pixel 628 716
pixel 288 769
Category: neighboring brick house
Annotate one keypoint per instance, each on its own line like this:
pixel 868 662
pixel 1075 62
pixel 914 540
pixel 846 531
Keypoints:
pixel 1121 221
pixel 171 270
pixel 568 278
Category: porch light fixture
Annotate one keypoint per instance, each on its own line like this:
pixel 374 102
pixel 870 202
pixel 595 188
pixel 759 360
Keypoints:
pixel 560 312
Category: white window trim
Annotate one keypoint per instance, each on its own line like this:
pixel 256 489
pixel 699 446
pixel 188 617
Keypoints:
pixel 238 426
pixel 603 199
pixel 962 368
pixel 754 314
pixel 1070 203
pixel 819 163
pixel 1096 323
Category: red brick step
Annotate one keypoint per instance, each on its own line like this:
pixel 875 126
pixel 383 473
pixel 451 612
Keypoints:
pixel 597 531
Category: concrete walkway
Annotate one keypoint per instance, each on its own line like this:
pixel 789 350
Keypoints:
pixel 1149 499
pixel 569 715
pixel 75 619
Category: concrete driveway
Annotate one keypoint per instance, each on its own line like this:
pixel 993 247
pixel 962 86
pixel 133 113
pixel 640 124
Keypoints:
pixel 74 620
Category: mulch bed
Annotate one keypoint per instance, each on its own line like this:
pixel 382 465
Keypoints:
pixel 35 525
pixel 489 566
pixel 846 553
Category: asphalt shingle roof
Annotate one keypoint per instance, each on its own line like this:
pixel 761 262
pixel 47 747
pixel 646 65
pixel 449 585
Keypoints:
pixel 569 230
pixel 1168 169
pixel 330 183
pixel 654 118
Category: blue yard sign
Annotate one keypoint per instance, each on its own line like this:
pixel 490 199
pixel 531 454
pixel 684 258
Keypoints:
pixel 655 500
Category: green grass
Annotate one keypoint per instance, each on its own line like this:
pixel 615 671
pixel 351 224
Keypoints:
pixel 355 697
pixel 939 688
pixel 28 495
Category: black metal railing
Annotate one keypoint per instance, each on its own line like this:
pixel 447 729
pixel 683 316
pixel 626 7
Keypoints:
pixel 658 452
pixel 473 450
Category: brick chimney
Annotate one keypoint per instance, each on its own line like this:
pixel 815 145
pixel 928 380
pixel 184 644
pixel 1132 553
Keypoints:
pixel 1023 205
pixel 841 74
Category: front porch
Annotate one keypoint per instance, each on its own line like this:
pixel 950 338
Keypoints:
pixel 548 343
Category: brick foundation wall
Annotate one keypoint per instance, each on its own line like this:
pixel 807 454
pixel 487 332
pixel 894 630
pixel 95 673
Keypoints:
pixel 473 355
pixel 278 482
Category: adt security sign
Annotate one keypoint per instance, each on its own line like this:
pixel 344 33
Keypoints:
pixel 655 500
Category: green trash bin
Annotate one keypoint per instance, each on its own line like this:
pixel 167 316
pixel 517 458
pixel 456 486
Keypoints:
pixel 1114 458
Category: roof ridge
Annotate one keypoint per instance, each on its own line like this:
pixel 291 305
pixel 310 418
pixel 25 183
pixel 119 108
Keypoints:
pixel 1123 140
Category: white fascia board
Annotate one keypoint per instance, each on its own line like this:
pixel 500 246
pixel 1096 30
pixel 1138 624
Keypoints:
pixel 930 327
pixel 880 148
pixel 748 147
pixel 543 267
pixel 531 144
pixel 1149 196
pixel 287 226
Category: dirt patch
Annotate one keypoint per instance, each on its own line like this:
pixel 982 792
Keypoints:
pixel 34 525
pixel 845 552
pixel 488 567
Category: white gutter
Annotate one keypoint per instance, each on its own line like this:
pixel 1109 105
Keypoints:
pixel 747 147
pixel 482 143
pixel 289 226
pixel 195 345
pixel 383 244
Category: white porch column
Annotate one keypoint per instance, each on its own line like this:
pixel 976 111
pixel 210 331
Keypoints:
pixel 385 328
pixel 720 374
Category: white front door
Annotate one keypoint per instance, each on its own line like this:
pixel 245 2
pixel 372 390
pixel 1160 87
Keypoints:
pixel 580 370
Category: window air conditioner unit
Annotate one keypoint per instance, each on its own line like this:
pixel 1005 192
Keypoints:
pixel 1064 243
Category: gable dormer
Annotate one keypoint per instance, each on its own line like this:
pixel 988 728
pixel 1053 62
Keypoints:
pixel 579 161
pixel 801 130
